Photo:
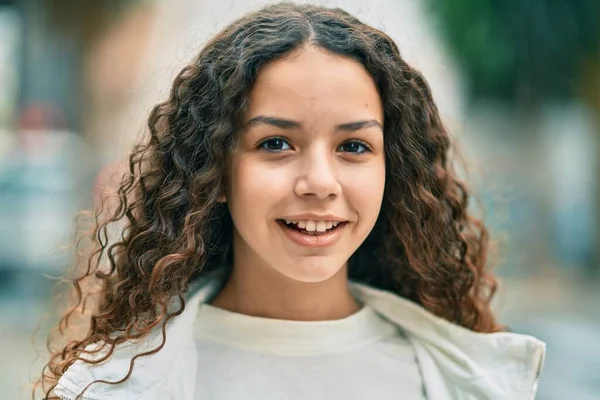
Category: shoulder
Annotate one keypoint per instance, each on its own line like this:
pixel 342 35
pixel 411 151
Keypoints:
pixel 166 372
pixel 484 365
pixel 133 371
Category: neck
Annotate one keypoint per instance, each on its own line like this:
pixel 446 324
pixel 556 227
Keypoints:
pixel 264 292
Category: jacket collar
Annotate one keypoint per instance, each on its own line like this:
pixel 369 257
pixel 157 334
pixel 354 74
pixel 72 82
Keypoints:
pixel 471 365
pixel 456 363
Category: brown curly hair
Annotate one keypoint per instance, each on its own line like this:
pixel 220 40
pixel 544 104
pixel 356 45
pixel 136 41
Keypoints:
pixel 425 246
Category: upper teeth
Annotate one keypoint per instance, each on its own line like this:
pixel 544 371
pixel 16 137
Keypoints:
pixel 313 226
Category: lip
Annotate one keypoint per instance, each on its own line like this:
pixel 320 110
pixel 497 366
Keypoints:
pixel 323 240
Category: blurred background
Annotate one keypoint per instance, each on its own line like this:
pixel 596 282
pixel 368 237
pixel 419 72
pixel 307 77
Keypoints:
pixel 517 82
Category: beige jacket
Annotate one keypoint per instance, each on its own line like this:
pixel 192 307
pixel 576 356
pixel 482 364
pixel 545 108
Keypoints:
pixel 457 364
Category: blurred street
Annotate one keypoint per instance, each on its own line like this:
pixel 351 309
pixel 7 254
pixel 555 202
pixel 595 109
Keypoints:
pixel 564 314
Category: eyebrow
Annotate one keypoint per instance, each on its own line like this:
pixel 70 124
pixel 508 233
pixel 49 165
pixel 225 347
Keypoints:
pixel 273 121
pixel 358 125
pixel 289 124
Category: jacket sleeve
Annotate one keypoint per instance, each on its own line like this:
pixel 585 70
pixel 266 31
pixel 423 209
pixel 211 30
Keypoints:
pixel 168 374
pixel 67 391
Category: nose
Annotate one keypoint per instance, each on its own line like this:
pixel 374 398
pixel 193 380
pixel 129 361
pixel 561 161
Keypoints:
pixel 317 177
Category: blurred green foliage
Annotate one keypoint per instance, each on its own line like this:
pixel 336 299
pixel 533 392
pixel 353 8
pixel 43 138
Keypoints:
pixel 520 49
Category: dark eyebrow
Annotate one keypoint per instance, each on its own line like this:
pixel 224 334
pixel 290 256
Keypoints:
pixel 276 122
pixel 291 124
pixel 358 125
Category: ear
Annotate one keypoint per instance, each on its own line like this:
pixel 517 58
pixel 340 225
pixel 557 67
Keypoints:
pixel 222 199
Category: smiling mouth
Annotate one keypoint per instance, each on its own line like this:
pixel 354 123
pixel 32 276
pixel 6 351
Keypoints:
pixel 312 228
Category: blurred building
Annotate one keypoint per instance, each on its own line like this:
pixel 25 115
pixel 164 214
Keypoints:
pixel 45 168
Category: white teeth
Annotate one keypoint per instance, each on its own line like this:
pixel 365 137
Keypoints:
pixel 321 226
pixel 313 226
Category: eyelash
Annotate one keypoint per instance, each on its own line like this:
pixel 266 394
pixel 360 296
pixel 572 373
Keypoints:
pixel 262 144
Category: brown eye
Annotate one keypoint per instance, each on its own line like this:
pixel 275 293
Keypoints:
pixel 275 145
pixel 355 146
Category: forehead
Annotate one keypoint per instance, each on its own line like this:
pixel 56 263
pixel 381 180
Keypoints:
pixel 313 83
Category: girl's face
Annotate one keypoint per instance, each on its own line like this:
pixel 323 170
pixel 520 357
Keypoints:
pixel 308 175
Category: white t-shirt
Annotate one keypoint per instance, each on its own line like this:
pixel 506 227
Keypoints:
pixel 362 357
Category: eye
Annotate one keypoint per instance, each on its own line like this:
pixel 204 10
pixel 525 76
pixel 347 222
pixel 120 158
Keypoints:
pixel 275 145
pixel 355 147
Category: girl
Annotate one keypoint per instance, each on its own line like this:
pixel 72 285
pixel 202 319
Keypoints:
pixel 293 230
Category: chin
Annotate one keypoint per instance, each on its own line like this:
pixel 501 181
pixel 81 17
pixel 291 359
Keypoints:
pixel 311 269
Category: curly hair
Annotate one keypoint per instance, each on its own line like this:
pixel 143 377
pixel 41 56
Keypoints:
pixel 425 246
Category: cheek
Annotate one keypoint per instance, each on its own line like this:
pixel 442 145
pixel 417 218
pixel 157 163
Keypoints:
pixel 256 186
pixel 364 189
